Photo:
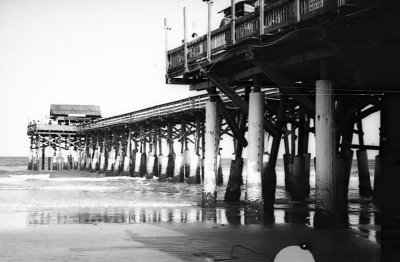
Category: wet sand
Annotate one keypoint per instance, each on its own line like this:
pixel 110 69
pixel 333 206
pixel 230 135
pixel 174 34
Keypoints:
pixel 178 242
pixel 80 216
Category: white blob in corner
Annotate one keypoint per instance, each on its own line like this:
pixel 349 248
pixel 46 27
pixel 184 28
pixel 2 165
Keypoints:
pixel 294 253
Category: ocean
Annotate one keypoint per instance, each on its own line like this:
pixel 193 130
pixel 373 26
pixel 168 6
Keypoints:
pixel 29 198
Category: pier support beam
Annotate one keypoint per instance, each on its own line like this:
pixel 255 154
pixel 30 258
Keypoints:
pixel 390 176
pixel 118 158
pixel 171 153
pixel 43 147
pixel 255 151
pixel 95 159
pixel 211 152
pixel 127 158
pixel 233 190
pixel 325 184
pixel 150 160
pixel 30 165
pixel 89 154
pixel 269 173
pixel 195 159
pixel 102 163
pixel 162 159
pixel 138 156
pixel 300 185
pixel 363 174
pixel 377 181
pixel 143 156
pixel 362 163
pixel 111 156
pixel 54 161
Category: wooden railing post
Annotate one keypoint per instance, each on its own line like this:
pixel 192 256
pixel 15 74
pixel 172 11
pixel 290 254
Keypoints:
pixel 185 50
pixel 166 45
pixel 261 17
pixel 209 31
pixel 233 25
pixel 298 10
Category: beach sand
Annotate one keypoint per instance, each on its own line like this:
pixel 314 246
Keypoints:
pixel 178 242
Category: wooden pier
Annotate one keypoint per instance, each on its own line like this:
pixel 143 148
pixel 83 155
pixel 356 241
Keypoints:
pixel 59 137
pixel 334 62
pixel 284 70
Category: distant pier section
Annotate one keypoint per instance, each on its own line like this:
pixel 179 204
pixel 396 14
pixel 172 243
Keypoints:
pixel 58 135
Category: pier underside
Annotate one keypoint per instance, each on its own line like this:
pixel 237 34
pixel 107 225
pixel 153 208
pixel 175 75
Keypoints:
pixel 332 71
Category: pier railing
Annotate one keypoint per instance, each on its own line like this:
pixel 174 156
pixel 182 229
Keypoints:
pixel 278 15
pixel 163 110
pixel 35 128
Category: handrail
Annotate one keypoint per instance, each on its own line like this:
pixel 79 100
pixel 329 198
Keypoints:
pixel 163 110
pixel 277 15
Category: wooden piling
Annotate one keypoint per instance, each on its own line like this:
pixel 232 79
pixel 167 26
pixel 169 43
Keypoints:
pixel 233 190
pixel 49 165
pixel 43 148
pixel 143 156
pixel 30 158
pixel 150 160
pixel 102 157
pixel 127 158
pixel 390 179
pixel 171 153
pixel 111 156
pixel 377 181
pixel 118 157
pixel 95 159
pixel 269 173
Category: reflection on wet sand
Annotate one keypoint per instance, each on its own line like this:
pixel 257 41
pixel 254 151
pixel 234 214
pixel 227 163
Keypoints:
pixel 137 215
pixel 363 220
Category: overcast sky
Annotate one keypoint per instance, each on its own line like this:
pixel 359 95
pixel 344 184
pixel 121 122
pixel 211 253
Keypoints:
pixel 104 52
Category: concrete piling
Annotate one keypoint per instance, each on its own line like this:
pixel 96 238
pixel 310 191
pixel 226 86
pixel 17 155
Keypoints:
pixel 30 163
pixel 89 157
pixel 102 157
pixel 194 172
pixel 255 150
pixel 127 158
pixel 66 162
pixel 138 157
pixel 118 158
pixel 209 193
pixel 94 164
pixel 178 168
pixel 163 164
pixel 150 166
pixel 110 161
pixel 325 185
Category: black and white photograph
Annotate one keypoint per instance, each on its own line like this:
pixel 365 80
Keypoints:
pixel 200 130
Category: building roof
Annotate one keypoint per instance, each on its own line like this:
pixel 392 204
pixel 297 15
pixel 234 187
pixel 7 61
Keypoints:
pixel 65 110
pixel 241 8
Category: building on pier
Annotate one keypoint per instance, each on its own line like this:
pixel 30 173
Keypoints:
pixel 74 114
pixel 58 136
